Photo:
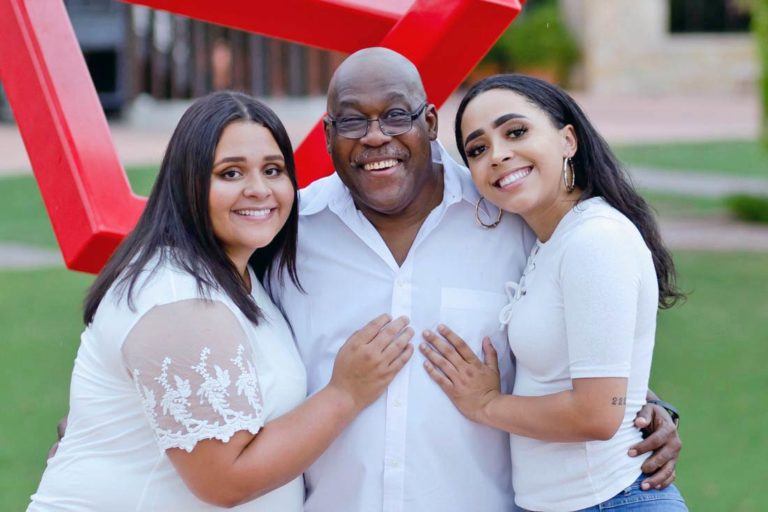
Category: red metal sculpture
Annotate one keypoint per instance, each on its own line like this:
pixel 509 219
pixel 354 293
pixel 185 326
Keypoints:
pixel 83 184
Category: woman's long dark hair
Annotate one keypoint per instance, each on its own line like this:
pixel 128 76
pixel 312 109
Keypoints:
pixel 176 224
pixel 598 171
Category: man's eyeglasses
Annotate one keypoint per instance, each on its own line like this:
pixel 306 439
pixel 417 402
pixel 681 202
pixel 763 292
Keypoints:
pixel 392 123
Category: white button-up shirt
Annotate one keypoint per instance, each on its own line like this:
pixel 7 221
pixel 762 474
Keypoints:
pixel 411 450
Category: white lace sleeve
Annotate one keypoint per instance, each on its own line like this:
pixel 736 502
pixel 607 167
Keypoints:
pixel 194 370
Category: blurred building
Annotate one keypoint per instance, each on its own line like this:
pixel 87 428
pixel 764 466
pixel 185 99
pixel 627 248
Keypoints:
pixel 663 46
pixel 132 50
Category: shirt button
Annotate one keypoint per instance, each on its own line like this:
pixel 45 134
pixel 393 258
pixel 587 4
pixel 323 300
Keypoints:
pixel 393 463
pixel 397 403
pixel 401 281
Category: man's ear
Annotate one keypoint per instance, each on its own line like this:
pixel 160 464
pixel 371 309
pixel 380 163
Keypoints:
pixel 327 131
pixel 430 115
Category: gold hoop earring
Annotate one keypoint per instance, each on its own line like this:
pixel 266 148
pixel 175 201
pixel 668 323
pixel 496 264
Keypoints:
pixel 570 183
pixel 479 221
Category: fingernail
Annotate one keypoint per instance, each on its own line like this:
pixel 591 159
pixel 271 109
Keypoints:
pixel 645 486
pixel 423 346
pixel 441 327
pixel 427 334
pixel 633 453
pixel 658 487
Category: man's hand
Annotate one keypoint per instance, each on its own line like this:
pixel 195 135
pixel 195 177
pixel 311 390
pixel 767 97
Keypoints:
pixel 61 427
pixel 663 440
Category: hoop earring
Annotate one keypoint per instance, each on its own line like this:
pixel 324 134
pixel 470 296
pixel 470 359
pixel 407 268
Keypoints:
pixel 479 221
pixel 570 183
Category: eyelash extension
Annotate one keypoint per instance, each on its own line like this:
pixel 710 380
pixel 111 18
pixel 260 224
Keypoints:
pixel 473 152
pixel 278 170
pixel 225 172
pixel 522 129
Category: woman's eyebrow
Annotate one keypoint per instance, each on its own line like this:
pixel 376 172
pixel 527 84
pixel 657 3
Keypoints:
pixel 496 123
pixel 506 117
pixel 229 159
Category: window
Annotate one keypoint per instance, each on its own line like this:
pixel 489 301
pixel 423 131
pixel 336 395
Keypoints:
pixel 688 16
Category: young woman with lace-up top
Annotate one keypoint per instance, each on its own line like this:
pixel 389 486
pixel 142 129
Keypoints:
pixel 188 392
pixel 581 321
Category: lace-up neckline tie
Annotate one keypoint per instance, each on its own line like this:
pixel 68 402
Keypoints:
pixel 514 291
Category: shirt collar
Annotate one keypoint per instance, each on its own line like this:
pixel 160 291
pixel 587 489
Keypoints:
pixel 330 192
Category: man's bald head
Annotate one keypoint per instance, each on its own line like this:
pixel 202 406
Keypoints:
pixel 372 65
pixel 387 175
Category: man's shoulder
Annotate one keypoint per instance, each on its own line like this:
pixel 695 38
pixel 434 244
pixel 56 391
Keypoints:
pixel 318 194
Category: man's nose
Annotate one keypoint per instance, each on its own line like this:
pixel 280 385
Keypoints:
pixel 374 136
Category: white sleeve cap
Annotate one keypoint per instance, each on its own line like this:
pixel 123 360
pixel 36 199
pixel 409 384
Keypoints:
pixel 194 370
pixel 600 276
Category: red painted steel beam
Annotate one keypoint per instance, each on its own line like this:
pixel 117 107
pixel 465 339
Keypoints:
pixel 84 187
pixel 445 39
pixel 344 26
pixel 83 184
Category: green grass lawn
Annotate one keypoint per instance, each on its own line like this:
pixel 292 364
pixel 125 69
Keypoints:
pixel 710 356
pixel 710 361
pixel 668 204
pixel 23 217
pixel 39 314
pixel 740 157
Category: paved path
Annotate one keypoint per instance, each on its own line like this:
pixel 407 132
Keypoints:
pixel 694 234
pixel 140 139
pixel 18 256
pixel 697 183
pixel 714 234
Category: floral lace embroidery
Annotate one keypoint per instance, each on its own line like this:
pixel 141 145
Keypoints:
pixel 248 383
pixel 213 391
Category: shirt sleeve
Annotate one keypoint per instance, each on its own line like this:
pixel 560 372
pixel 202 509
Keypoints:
pixel 600 278
pixel 195 373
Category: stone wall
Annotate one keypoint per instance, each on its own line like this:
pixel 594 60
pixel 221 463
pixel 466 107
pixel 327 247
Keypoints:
pixel 627 49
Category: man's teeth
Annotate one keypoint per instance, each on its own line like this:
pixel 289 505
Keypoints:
pixel 515 176
pixel 254 213
pixel 377 166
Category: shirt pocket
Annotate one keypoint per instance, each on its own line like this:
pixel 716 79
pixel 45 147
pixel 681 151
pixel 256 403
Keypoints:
pixel 473 314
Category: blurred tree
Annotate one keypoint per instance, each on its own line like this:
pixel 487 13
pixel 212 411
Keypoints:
pixel 537 43
pixel 759 27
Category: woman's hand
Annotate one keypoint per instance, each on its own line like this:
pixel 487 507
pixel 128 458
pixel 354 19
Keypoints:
pixel 370 359
pixel 468 382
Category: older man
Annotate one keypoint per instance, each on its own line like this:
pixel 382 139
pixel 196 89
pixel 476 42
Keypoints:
pixel 395 230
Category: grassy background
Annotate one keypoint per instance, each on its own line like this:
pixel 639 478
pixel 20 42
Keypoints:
pixel 710 355
pixel 22 213
pixel 667 204
pixel 737 157
pixel 710 361
pixel 23 217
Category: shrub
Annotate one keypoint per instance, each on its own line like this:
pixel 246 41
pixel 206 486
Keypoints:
pixel 537 39
pixel 748 208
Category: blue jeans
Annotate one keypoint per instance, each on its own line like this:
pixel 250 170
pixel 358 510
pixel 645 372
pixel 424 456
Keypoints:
pixel 634 499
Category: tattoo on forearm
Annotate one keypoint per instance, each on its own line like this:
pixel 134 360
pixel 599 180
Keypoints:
pixel 619 400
